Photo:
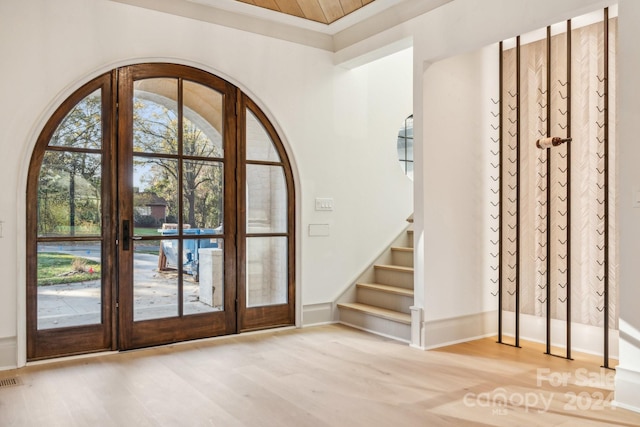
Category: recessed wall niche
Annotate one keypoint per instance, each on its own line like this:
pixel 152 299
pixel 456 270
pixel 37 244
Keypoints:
pixel 556 256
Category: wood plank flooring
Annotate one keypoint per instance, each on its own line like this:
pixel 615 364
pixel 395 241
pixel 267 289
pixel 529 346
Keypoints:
pixel 328 375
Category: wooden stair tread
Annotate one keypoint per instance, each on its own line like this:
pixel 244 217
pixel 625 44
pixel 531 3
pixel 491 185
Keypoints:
pixel 384 313
pixel 387 288
pixel 399 268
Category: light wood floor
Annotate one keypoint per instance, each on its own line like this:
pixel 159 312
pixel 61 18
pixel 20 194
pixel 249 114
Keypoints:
pixel 320 376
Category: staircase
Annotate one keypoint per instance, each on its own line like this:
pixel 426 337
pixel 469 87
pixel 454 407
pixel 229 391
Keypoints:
pixel 381 305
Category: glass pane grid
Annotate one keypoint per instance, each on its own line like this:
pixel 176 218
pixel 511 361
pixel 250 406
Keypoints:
pixel 155 116
pixel 267 199
pixel 177 271
pixel 155 198
pixel 82 126
pixel 69 284
pixel 155 279
pixel 202 197
pixel 267 274
pixel 203 278
pixel 259 143
pixel 70 194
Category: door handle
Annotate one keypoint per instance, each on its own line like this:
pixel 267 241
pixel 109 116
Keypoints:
pixel 126 234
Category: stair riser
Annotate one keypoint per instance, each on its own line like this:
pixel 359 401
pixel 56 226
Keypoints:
pixel 402 258
pixel 394 278
pixel 385 300
pixel 409 243
pixel 376 325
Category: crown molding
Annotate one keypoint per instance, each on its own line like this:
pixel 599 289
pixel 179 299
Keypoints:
pixel 369 20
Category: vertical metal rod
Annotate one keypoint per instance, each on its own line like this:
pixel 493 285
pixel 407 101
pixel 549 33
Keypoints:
pixel 568 195
pixel 548 153
pixel 606 187
pixel 500 134
pixel 517 308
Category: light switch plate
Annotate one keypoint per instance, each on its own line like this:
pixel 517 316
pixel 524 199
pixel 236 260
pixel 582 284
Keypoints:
pixel 324 204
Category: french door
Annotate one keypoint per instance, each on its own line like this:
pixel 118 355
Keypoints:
pixel 160 209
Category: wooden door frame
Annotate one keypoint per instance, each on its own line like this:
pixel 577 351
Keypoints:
pixel 135 334
pixel 253 318
pixel 42 344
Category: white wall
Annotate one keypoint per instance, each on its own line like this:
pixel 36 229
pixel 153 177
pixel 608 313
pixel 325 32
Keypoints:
pixel 456 147
pixel 454 29
pixel 466 26
pixel 340 126
pixel 628 371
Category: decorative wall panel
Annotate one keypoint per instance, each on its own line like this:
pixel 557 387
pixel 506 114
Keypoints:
pixel 556 203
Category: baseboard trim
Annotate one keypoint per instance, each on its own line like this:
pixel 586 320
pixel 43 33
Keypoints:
pixel 627 384
pixel 454 330
pixel 8 353
pixel 318 314
pixel 460 341
pixel 584 338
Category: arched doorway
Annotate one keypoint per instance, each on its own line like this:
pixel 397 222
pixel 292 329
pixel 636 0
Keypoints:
pixel 160 208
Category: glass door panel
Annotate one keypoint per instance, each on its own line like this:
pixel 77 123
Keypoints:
pixel 155 286
pixel 203 286
pixel 69 194
pixel 155 197
pixel 202 121
pixel 259 143
pixel 82 126
pixel 266 271
pixel 266 199
pixel 155 116
pixel 203 196
pixel 174 283
pixel 162 217
pixel 69 284
pixel 266 239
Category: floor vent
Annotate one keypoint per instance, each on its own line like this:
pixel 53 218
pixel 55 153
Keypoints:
pixel 9 382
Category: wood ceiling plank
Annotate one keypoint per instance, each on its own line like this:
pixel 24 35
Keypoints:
pixel 290 7
pixel 324 11
pixel 312 10
pixel 267 4
pixel 332 10
pixel 349 6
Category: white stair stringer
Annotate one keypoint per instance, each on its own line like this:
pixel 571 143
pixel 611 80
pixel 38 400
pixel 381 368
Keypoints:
pixel 379 302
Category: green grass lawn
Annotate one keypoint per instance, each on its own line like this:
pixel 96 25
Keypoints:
pixel 57 268
pixel 139 231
